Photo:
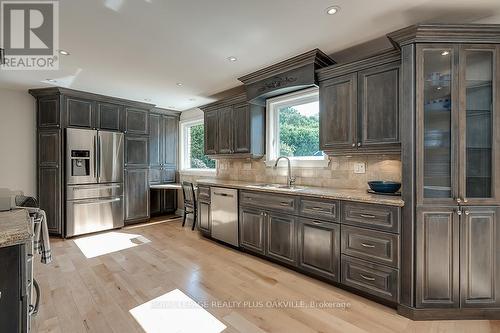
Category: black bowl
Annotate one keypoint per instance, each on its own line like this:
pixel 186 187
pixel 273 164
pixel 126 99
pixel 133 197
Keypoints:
pixel 384 186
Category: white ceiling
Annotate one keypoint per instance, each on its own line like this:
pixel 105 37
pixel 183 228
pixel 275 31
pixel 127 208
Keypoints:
pixel 140 49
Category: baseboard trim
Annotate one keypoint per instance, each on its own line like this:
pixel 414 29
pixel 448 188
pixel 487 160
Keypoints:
pixel 449 314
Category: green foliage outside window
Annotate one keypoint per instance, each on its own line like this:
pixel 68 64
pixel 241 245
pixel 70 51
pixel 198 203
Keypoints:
pixel 198 158
pixel 299 134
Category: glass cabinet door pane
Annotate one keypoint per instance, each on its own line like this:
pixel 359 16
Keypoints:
pixel 437 71
pixel 478 147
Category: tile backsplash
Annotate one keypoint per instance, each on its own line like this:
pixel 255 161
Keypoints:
pixel 339 174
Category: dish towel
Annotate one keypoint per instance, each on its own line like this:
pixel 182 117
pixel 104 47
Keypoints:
pixel 42 241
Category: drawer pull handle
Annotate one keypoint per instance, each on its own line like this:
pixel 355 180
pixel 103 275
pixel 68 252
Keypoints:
pixel 284 204
pixel 368 216
pixel 367 278
pixel 370 246
pixel 317 208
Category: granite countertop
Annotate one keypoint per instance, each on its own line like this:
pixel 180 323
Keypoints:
pixel 311 191
pixel 15 227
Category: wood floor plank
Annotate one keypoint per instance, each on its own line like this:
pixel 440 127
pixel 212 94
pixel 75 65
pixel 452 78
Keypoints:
pixel 81 294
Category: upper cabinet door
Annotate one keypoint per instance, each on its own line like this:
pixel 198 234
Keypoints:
pixel 337 116
pixel 437 124
pixel 170 142
pixel 225 130
pixel 155 140
pixel 109 116
pixel 479 124
pixel 211 132
pixel 378 117
pixel 241 129
pixel 79 112
pixel 136 121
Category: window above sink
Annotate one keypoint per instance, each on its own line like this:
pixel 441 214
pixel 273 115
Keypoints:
pixel 293 129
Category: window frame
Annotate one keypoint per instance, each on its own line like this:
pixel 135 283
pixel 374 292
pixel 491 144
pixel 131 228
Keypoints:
pixel 185 156
pixel 272 132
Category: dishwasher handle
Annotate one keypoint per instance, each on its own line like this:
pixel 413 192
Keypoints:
pixel 223 194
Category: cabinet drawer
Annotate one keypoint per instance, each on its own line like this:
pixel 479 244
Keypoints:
pixel 204 193
pixel 376 246
pixel 319 209
pixel 385 218
pixel 378 280
pixel 282 203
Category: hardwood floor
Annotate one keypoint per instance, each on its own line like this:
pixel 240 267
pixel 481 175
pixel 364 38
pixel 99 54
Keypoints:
pixel 81 294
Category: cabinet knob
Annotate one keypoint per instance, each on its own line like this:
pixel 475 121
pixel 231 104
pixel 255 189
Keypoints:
pixel 459 212
pixel 465 200
pixel 459 200
pixel 359 144
pixel 354 145
pixel 467 212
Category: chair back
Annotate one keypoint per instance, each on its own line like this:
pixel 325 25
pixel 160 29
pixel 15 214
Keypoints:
pixel 189 196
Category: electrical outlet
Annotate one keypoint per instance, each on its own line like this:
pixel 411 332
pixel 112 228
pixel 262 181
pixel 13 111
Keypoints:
pixel 359 168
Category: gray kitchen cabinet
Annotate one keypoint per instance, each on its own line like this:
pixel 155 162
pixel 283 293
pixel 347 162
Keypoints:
pixel 48 115
pixel 136 121
pixel 241 129
pixel 374 279
pixel 337 115
pixel 225 130
pixel 79 112
pixel 211 132
pixel 136 151
pixel 359 106
pixel 109 116
pixel 170 135
pixel 136 195
pixel 438 271
pixel 13 307
pixel 234 128
pixel 378 106
pixel 479 257
pixel 253 229
pixel 281 243
pixel 50 183
pixel 318 248
pixel 155 140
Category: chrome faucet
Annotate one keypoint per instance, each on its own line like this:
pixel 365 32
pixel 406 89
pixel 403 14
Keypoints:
pixel 290 179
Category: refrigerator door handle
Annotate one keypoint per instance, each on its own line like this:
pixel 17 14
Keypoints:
pixel 98 157
pixel 95 157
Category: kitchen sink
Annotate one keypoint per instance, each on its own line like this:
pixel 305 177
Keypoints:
pixel 278 187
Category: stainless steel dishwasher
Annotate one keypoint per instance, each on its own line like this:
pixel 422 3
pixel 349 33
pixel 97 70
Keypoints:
pixel 224 211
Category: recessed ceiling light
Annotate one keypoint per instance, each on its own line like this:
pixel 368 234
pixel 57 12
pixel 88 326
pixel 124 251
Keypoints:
pixel 332 10
pixel 445 53
pixel 232 59
pixel 65 53
pixel 51 80
pixel 179 84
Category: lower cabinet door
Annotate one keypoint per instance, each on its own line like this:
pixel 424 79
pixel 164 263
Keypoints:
pixel 204 217
pixel 319 248
pixel 437 251
pixel 155 199
pixel 252 229
pixel 480 257
pixel 136 194
pixel 281 238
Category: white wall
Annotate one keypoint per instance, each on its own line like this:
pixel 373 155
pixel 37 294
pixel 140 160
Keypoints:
pixel 17 142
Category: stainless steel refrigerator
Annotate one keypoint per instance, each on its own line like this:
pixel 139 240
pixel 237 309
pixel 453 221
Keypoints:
pixel 94 181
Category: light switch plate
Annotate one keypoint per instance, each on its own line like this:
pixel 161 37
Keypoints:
pixel 359 168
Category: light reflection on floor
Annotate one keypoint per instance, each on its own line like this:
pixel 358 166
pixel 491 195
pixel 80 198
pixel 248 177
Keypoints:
pixel 175 312
pixel 98 245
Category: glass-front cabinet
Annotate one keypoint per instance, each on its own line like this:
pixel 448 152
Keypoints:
pixel 458 124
